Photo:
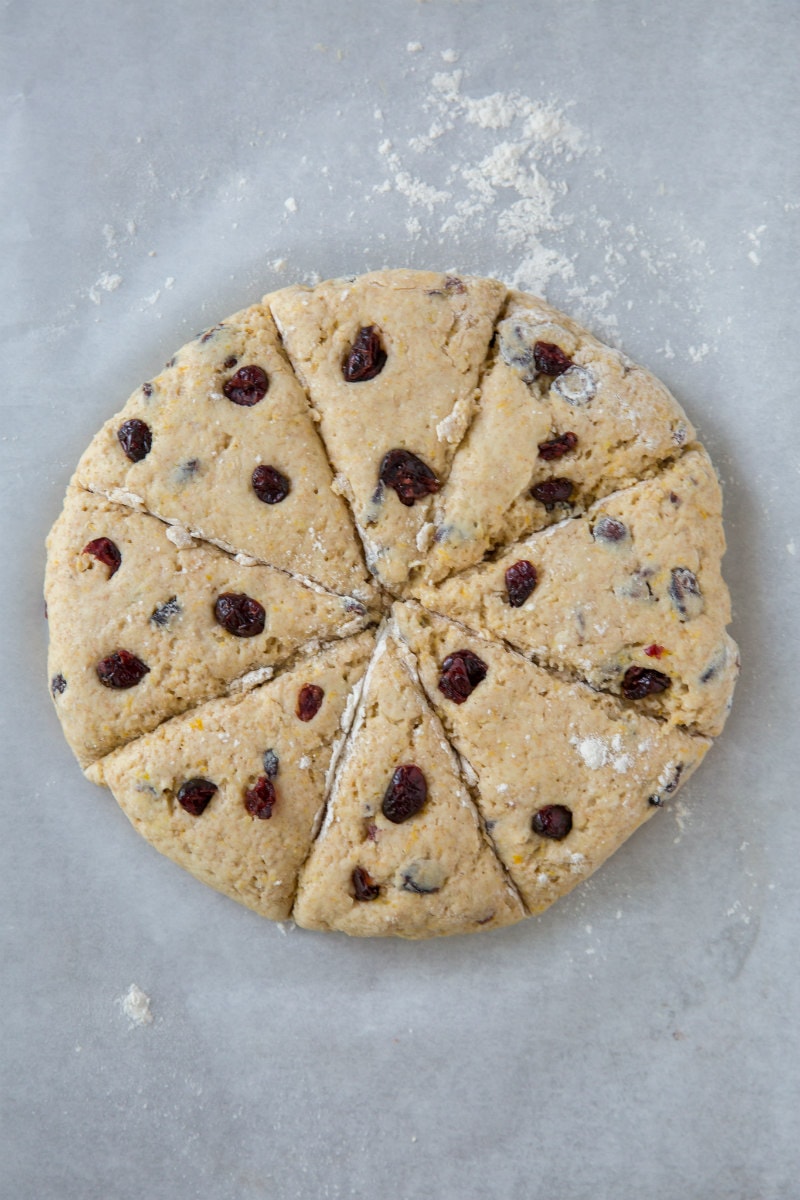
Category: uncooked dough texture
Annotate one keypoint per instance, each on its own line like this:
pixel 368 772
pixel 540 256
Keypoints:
pixel 393 605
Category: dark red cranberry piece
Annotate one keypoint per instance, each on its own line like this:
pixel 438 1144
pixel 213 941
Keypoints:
pixel 550 359
pixel 241 615
pixel 639 682
pixel 309 701
pixel 366 358
pixel 135 438
pixel 520 582
pixel 247 386
pixel 408 475
pixel 121 670
pixel 654 651
pixel 462 671
pixel 259 800
pixel 405 795
pixel 194 795
pixel 557 447
pixel 269 485
pixel 106 552
pixel 58 685
pixel 552 491
pixel 364 886
pixel 230 362
pixel 553 821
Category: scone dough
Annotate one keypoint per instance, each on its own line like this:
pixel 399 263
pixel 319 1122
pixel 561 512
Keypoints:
pixel 434 332
pixel 159 605
pixel 432 873
pixel 393 605
pixel 233 743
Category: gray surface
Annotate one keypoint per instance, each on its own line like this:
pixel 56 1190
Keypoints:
pixel 639 1040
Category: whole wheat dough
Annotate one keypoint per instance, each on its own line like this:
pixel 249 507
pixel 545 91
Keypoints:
pixel 392 604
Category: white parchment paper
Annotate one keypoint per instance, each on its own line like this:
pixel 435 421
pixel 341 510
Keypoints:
pixel 165 165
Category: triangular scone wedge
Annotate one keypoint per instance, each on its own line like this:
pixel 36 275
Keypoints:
pixel 564 774
pixel 254 743
pixel 634 585
pixel 204 449
pixel 624 420
pixel 433 872
pixel 159 605
pixel 434 331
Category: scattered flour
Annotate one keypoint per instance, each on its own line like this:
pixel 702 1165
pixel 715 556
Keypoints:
pixel 179 536
pixel 135 1005
pixel 252 679
pixel 105 283
pixel 598 752
pixel 492 170
pixel 754 237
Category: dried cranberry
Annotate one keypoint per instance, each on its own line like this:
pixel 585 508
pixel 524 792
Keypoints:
pixel 405 795
pixel 270 485
pixel 241 615
pixel 408 475
pixel 557 447
pixel 366 357
pixel 194 795
pixel 520 581
pixel 550 359
pixel 247 386
pixel 230 362
pixel 106 552
pixel 654 651
pixel 259 800
pixel 552 491
pixel 553 821
pixel 462 671
pixel 58 685
pixel 135 438
pixel 639 682
pixel 309 701
pixel 364 886
pixel 609 529
pixel 121 670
